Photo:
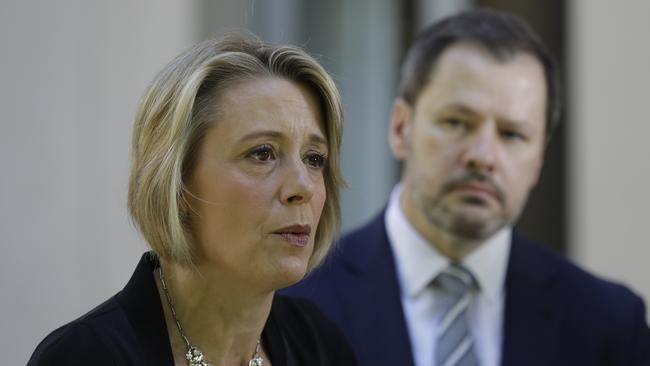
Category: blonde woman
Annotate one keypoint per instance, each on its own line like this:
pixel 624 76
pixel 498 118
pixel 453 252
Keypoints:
pixel 234 184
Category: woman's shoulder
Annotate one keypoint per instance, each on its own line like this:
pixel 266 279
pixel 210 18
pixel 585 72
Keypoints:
pixel 85 340
pixel 127 329
pixel 309 332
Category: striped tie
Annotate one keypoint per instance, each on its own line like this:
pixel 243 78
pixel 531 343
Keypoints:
pixel 454 341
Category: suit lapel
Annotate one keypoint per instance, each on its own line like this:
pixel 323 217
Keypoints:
pixel 371 297
pixel 531 318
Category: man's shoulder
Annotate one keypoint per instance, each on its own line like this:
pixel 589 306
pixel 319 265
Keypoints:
pixel 608 317
pixel 362 241
pixel 573 283
pixel 355 247
pixel 374 226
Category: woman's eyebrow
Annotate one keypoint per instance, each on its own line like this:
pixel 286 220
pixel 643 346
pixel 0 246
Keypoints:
pixel 263 133
pixel 319 139
pixel 315 138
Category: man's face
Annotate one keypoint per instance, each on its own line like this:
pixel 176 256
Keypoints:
pixel 473 143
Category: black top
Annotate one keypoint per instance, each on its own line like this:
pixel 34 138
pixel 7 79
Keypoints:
pixel 129 329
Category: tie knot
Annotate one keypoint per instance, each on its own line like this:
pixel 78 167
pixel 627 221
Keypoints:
pixel 454 280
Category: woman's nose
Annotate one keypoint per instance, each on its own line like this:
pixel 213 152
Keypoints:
pixel 298 186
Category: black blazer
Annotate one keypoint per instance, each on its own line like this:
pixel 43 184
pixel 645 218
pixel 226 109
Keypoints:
pixel 555 313
pixel 129 329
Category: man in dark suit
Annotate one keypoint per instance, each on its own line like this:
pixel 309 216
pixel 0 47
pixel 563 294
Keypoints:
pixel 439 277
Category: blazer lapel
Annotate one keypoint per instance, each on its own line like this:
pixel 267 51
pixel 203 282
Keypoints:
pixel 531 318
pixel 371 296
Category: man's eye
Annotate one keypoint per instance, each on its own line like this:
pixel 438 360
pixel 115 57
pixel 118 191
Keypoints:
pixel 262 153
pixel 512 135
pixel 453 122
pixel 315 160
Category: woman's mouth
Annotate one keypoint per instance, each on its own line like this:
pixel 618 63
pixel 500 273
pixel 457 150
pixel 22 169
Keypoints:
pixel 295 234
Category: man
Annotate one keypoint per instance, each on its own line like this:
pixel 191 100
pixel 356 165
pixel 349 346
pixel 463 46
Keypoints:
pixel 439 277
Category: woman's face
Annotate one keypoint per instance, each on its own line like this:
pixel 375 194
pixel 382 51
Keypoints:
pixel 257 189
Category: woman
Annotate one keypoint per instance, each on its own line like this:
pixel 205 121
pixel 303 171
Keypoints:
pixel 234 184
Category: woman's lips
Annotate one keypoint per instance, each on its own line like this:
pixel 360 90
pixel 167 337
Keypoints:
pixel 295 234
pixel 300 240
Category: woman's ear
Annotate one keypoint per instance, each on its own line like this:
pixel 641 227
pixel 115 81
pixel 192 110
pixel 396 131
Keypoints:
pixel 183 207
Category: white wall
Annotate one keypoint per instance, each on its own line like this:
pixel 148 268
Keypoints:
pixel 609 133
pixel 71 74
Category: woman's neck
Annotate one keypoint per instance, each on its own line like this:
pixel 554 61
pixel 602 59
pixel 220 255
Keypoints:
pixel 219 317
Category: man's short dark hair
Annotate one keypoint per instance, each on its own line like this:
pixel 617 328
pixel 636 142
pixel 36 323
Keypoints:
pixel 502 34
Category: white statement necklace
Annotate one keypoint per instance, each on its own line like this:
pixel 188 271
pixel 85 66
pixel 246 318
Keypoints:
pixel 193 355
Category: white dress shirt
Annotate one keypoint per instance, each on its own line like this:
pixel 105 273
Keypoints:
pixel 418 263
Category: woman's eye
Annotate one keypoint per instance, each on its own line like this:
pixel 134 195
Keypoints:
pixel 315 160
pixel 263 153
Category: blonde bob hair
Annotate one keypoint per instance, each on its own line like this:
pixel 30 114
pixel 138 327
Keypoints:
pixel 180 105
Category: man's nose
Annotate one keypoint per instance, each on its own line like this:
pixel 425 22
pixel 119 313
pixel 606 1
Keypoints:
pixel 298 187
pixel 480 153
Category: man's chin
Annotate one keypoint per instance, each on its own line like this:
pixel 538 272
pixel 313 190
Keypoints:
pixel 474 225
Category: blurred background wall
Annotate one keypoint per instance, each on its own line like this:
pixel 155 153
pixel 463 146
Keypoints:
pixel 609 152
pixel 72 71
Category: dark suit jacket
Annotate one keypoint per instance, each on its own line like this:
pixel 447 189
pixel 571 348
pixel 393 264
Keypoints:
pixel 555 313
pixel 129 329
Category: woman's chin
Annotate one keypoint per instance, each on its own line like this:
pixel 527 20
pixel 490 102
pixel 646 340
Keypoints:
pixel 289 271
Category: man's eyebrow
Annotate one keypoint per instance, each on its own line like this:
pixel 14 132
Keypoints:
pixel 458 107
pixel 509 123
pixel 461 108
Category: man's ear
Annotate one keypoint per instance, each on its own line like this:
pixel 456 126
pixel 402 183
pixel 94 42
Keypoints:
pixel 399 133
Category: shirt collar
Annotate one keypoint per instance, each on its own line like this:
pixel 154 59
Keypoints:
pixel 418 262
pixel 489 263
